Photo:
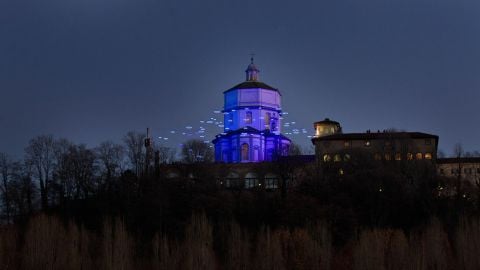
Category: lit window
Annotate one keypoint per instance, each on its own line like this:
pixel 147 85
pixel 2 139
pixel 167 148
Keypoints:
pixel 398 156
pixel 419 156
pixel 346 143
pixel 327 158
pixel 409 156
pixel 337 158
pixel 248 117
pixel 428 156
pixel 377 156
pixel 245 151
pixel 346 157
pixel 341 172
pixel 367 143
pixel 388 157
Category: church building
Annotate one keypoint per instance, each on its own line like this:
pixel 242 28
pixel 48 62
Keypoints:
pixel 252 122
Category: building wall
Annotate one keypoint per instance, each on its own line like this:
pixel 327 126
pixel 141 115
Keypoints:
pixel 467 169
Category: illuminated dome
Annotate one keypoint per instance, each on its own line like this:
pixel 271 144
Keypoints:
pixel 326 127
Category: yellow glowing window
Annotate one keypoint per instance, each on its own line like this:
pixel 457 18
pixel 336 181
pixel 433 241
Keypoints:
pixel 341 172
pixel 388 157
pixel 346 157
pixel 346 143
pixel 398 156
pixel 409 156
pixel 419 156
pixel 377 156
pixel 337 158
pixel 428 156
pixel 367 143
pixel 327 158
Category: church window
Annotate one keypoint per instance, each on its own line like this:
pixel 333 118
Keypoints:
pixel 409 156
pixel 398 156
pixel 327 158
pixel 419 156
pixel 428 156
pixel 245 151
pixel 267 120
pixel 248 117
pixel 337 158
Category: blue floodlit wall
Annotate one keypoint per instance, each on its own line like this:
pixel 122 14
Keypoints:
pixel 252 129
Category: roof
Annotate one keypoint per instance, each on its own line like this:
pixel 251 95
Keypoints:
pixel 458 160
pixel 376 136
pixel 327 121
pixel 252 84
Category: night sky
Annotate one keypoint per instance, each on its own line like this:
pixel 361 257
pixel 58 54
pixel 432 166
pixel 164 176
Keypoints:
pixel 91 70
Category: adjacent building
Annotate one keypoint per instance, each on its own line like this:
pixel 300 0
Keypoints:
pixel 332 145
pixel 464 168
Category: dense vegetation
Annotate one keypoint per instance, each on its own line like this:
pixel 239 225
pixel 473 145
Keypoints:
pixel 69 207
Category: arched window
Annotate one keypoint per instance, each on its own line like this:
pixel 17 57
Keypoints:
pixel 409 156
pixel 251 180
pixel 377 156
pixel 419 156
pixel 398 156
pixel 271 181
pixel 327 158
pixel 388 156
pixel 248 117
pixel 428 156
pixel 337 158
pixel 245 152
pixel 267 120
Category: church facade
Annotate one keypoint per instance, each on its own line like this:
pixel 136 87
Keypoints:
pixel 252 122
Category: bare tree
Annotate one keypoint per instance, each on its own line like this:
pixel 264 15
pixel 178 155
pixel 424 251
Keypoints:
pixel 134 143
pixel 196 151
pixel 77 172
pixel 110 157
pixel 294 149
pixel 166 154
pixel 6 167
pixel 40 152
